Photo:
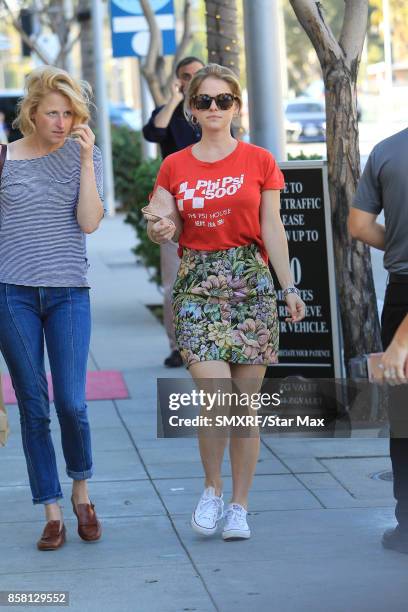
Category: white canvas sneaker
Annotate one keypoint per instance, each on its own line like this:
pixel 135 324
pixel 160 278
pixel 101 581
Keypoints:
pixel 209 511
pixel 236 526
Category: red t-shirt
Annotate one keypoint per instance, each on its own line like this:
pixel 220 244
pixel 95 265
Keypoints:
pixel 219 202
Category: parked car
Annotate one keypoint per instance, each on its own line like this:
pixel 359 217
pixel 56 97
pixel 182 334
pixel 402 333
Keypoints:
pixel 308 116
pixel 293 130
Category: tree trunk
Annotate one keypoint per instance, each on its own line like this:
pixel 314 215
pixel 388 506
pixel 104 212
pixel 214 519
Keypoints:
pixel 222 33
pixel 222 41
pixel 358 306
pixel 340 61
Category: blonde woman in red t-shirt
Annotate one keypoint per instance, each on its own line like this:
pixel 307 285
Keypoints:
pixel 228 197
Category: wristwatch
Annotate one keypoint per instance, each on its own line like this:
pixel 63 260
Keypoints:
pixel 290 289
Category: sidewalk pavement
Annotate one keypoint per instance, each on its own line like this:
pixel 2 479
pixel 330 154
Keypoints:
pixel 316 514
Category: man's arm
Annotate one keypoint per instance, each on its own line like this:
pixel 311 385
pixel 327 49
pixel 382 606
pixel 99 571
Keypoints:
pixel 156 129
pixel 367 205
pixel 363 226
pixel 162 119
pixel 151 133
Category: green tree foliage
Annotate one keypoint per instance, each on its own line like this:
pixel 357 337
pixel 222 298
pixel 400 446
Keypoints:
pixel 134 181
pixel 126 157
pixel 148 252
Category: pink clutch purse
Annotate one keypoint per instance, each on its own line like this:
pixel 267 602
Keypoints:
pixel 163 206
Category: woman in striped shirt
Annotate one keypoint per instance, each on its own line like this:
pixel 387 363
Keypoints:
pixel 50 197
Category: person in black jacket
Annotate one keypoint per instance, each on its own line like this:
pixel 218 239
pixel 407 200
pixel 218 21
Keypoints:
pixel 170 129
pixel 168 126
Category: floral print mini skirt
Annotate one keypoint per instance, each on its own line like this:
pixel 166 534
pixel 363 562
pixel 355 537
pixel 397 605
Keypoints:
pixel 225 307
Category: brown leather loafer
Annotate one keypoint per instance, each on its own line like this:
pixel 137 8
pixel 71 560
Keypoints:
pixel 89 528
pixel 53 536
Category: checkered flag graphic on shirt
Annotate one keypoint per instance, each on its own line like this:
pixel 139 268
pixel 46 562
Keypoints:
pixel 185 194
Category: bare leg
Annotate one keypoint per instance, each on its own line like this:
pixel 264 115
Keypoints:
pixel 211 445
pixel 244 451
pixel 80 491
pixel 53 512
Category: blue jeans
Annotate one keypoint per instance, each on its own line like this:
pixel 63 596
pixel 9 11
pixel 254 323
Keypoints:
pixel 62 316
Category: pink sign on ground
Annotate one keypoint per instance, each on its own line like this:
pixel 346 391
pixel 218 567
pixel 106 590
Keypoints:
pixel 100 385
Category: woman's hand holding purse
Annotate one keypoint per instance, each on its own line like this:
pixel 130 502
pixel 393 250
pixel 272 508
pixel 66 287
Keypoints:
pixel 161 231
pixel 164 221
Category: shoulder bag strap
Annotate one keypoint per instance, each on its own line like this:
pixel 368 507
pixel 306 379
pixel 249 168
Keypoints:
pixel 2 158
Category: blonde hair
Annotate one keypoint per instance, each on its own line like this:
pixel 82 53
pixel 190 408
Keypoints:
pixel 216 72
pixel 50 79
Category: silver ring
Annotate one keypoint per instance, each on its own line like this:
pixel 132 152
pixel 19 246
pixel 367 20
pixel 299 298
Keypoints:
pixel 380 366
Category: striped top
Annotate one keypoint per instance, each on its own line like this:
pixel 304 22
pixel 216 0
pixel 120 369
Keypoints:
pixel 41 242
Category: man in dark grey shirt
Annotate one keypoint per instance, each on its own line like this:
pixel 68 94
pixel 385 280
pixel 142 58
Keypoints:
pixel 384 186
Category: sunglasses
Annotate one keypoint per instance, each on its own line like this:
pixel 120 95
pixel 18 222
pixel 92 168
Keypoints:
pixel 224 101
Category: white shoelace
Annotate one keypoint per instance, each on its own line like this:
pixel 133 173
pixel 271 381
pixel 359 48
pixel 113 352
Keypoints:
pixel 238 515
pixel 208 507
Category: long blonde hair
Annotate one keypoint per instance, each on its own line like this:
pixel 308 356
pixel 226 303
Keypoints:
pixel 49 79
